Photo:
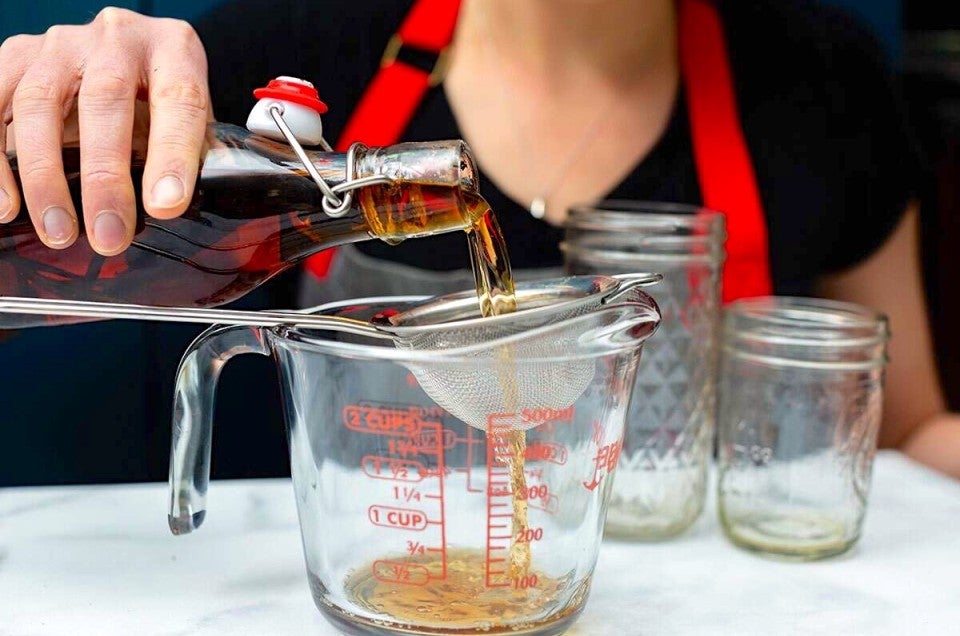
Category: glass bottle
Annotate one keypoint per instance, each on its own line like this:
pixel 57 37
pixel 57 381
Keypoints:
pixel 255 212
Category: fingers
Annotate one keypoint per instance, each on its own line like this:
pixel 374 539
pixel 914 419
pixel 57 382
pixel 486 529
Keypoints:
pixel 105 116
pixel 9 195
pixel 179 111
pixel 15 54
pixel 101 66
pixel 40 100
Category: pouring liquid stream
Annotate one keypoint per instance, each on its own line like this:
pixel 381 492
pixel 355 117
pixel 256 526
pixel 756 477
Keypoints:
pixel 496 293
pixel 463 597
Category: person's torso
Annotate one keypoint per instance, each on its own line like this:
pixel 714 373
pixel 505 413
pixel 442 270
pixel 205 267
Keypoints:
pixel 804 126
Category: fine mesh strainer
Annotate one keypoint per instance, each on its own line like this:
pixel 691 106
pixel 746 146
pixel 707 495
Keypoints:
pixel 517 365
pixel 513 371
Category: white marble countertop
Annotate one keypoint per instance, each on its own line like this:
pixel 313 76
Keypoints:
pixel 100 561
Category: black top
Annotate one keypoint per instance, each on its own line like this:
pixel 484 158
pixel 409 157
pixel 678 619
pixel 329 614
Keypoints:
pixel 819 108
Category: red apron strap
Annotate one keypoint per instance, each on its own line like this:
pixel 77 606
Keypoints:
pixel 724 169
pixel 727 179
pixel 392 97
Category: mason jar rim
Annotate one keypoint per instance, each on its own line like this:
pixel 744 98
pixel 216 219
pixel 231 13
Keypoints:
pixel 624 214
pixel 809 326
pixel 624 258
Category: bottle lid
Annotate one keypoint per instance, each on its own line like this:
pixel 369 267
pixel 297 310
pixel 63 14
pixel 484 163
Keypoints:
pixel 292 89
pixel 301 109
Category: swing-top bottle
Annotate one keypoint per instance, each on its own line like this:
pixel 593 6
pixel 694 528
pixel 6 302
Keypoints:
pixel 256 211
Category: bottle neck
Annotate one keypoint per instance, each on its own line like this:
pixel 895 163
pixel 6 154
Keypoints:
pixel 433 186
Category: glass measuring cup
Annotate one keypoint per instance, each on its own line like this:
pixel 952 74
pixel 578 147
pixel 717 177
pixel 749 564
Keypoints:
pixel 413 521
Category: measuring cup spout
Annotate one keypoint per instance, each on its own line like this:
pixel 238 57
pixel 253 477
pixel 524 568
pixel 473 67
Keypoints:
pixel 193 418
pixel 629 283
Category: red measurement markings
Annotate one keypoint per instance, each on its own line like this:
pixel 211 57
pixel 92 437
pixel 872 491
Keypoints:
pixel 539 496
pixel 399 572
pixel 406 493
pixel 536 491
pixel 471 441
pixel 401 518
pixel 553 452
pixel 415 548
pixel 382 421
pixel 500 454
pixel 427 518
pixel 437 429
pixel 429 438
pixel 392 468
pixel 549 504
pixel 544 415
pixel 597 433
pixel 604 462
pixel 529 535
pixel 403 447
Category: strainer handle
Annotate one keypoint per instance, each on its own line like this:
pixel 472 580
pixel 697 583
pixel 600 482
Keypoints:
pixel 193 418
pixel 630 282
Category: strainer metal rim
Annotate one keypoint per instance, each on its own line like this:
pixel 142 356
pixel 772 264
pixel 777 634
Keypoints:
pixel 468 298
pixel 454 354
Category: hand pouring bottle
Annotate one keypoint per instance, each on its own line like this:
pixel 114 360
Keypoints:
pixel 260 206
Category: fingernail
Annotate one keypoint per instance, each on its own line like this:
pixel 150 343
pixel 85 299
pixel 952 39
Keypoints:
pixel 167 192
pixel 109 232
pixel 58 225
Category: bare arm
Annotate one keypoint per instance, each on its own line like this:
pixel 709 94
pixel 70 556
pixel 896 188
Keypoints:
pixel 915 417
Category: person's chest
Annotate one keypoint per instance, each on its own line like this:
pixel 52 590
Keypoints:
pixel 666 173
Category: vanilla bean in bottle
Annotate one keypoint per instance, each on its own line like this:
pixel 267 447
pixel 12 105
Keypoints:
pixel 255 213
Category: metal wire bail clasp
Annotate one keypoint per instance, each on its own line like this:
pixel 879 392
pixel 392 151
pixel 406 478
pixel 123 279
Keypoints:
pixel 299 101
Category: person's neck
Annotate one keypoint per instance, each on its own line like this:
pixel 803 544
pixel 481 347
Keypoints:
pixel 614 39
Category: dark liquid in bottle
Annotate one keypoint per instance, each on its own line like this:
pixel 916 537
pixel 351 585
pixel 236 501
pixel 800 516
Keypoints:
pixel 242 228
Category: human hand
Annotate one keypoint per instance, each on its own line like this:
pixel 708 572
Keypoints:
pixel 98 73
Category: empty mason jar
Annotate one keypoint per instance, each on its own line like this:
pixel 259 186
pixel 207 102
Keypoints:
pixel 799 413
pixel 661 483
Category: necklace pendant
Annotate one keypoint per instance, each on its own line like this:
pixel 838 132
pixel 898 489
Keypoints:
pixel 538 208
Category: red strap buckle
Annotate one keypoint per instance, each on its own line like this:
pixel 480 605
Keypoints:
pixel 437 73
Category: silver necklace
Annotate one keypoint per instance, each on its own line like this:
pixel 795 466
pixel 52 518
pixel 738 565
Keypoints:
pixel 538 206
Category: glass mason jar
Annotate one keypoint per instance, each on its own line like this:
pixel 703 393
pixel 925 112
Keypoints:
pixel 661 487
pixel 800 406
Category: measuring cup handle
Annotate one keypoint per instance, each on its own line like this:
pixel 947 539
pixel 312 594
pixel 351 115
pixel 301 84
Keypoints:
pixel 193 418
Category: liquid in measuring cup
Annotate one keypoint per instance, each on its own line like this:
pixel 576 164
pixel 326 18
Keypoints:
pixel 420 582
pixel 462 599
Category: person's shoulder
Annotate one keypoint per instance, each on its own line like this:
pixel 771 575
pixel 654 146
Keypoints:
pixel 805 43
pixel 823 119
